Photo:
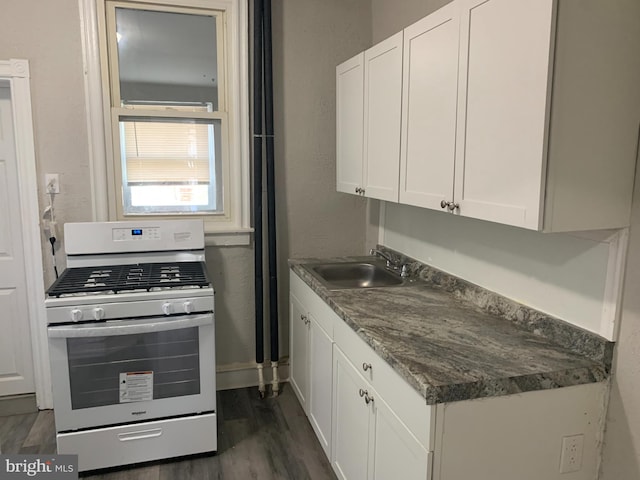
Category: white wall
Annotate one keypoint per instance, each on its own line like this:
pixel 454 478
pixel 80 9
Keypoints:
pixel 559 274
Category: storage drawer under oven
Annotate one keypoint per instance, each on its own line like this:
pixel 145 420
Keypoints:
pixel 108 447
pixel 115 372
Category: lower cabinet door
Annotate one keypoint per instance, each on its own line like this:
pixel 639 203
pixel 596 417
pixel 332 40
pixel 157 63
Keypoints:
pixel 299 334
pixel 397 454
pixel 320 383
pixel 352 421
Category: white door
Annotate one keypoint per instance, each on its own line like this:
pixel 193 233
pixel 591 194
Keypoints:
pixel 505 49
pixel 382 117
pixel 429 94
pixel 349 124
pixel 16 364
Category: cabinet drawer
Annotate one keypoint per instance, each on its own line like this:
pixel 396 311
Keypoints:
pixel 410 407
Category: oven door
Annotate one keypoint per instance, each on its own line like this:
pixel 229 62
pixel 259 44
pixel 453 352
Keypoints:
pixel 123 371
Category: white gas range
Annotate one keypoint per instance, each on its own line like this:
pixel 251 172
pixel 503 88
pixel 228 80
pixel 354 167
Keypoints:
pixel 132 343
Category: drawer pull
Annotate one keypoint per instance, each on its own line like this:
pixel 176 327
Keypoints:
pixel 139 435
pixel 366 366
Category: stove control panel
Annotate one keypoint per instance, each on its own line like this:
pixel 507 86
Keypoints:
pixel 121 310
pixel 135 234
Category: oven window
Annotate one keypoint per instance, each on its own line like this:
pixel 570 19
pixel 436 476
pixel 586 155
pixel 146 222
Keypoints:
pixel 160 364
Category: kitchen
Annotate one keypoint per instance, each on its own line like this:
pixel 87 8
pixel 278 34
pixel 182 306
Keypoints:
pixel 339 224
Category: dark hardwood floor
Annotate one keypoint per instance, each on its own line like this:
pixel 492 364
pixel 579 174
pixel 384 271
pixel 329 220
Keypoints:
pixel 257 439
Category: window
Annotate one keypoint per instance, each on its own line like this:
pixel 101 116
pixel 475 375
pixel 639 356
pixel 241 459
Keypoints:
pixel 175 109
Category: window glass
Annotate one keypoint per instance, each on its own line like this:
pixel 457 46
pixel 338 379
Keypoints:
pixel 167 57
pixel 171 164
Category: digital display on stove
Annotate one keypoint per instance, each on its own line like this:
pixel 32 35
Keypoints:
pixel 136 231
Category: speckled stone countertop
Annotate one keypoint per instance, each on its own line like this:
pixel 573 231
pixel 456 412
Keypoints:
pixel 452 340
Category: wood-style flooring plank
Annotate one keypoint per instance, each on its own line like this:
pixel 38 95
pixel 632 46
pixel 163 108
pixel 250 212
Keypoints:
pixel 262 439
pixel 14 429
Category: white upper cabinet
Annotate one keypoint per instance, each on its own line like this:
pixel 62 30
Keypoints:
pixel 513 111
pixel 429 93
pixel 369 100
pixel 505 55
pixel 349 124
pixel 382 117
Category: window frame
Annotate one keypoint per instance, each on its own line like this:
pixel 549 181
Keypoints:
pixel 231 228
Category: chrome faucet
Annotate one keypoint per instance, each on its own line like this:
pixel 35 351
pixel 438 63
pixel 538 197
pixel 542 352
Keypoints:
pixel 396 266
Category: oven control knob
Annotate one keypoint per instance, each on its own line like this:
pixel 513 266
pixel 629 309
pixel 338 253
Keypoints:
pixel 187 306
pixel 76 314
pixel 167 308
pixel 98 313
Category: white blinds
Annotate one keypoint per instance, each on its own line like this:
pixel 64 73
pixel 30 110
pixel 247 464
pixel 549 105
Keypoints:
pixel 167 152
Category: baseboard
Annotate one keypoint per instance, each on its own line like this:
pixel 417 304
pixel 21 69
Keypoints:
pixel 18 404
pixel 246 375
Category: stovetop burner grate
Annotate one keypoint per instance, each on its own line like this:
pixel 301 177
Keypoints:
pixel 118 278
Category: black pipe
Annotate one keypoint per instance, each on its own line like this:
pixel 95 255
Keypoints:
pixel 257 175
pixel 271 195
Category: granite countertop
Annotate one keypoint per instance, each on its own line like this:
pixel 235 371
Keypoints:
pixel 452 345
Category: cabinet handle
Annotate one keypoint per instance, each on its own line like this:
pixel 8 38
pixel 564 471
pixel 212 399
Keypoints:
pixel 366 366
pixel 363 392
pixel 304 318
pixel 450 205
pixel 362 191
pixel 368 399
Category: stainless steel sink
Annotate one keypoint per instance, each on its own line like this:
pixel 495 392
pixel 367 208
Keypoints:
pixel 354 275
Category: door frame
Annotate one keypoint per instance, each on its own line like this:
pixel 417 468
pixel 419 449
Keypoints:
pixel 16 73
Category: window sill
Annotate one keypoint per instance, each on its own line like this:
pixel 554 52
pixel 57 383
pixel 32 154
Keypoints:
pixel 228 238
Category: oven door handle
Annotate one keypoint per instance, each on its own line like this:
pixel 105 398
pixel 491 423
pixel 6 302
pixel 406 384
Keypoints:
pixel 127 327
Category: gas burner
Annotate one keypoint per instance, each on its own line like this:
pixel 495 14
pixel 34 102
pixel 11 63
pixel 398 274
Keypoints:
pixel 128 278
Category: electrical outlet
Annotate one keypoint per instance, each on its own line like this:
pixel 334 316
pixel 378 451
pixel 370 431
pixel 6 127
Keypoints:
pixel 52 183
pixel 571 456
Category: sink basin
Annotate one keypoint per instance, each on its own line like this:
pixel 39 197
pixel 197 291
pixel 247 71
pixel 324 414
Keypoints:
pixel 355 275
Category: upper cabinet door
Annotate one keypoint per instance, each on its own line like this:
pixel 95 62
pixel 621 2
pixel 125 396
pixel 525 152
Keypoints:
pixel 382 104
pixel 429 93
pixel 503 96
pixel 349 123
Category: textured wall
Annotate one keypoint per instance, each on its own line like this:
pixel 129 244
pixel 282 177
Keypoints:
pixel 48 35
pixel 389 17
pixel 621 456
pixel 310 39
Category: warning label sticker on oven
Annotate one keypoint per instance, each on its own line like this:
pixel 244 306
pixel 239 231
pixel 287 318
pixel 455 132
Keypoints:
pixel 136 386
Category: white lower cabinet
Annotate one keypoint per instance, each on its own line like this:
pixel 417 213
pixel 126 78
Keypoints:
pixel 298 351
pixel 363 440
pixel 370 441
pixel 311 357
pixel 320 382
pixel 372 424
pixel 352 421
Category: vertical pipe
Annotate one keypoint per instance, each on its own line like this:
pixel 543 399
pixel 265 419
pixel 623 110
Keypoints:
pixel 257 185
pixel 271 196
